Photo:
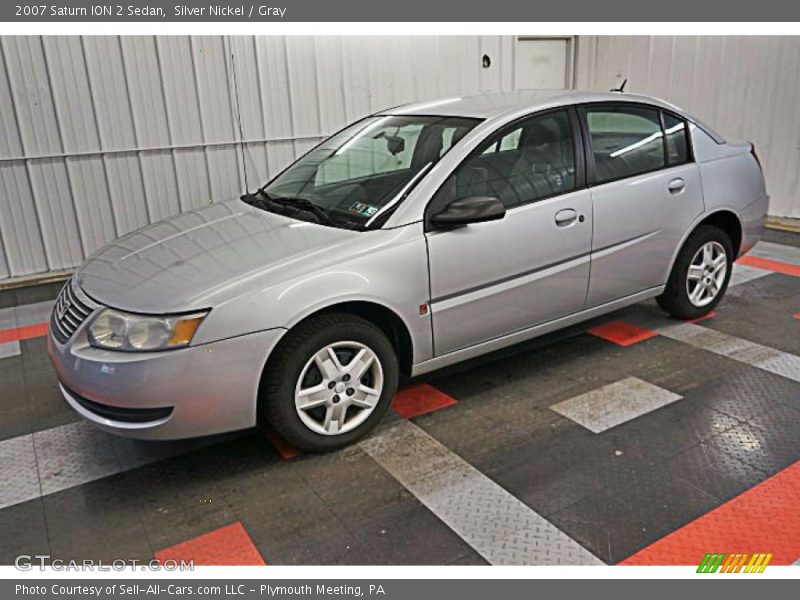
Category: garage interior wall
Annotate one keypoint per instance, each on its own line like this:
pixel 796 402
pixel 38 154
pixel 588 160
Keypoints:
pixel 747 88
pixel 102 135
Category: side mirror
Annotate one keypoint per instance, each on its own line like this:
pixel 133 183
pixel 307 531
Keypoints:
pixel 475 209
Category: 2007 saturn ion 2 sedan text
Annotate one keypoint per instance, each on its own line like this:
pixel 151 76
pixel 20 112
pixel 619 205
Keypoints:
pixel 410 240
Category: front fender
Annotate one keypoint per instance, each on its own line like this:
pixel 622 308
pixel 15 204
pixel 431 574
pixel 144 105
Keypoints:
pixel 392 275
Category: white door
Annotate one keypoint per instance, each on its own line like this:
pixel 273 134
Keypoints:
pixel 541 64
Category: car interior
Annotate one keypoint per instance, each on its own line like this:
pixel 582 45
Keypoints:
pixel 539 165
pixel 529 163
pixel 431 143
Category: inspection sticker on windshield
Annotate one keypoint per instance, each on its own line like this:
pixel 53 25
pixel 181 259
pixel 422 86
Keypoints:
pixel 365 210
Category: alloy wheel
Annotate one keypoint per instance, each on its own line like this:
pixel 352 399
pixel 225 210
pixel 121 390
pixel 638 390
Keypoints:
pixel 706 274
pixel 338 388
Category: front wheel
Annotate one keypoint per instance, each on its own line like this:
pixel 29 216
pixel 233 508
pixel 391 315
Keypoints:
pixel 700 274
pixel 332 380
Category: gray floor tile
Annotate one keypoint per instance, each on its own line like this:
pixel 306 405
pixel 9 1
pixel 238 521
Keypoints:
pixel 9 349
pixel 73 454
pixel 614 404
pixel 19 478
pixel 772 251
pixel 743 274
pixel 492 521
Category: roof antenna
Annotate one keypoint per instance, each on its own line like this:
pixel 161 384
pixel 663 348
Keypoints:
pixel 621 88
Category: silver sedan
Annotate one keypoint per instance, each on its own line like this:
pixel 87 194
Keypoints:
pixel 412 239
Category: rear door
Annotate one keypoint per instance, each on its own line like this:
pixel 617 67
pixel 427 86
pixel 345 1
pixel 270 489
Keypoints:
pixel 491 279
pixel 646 193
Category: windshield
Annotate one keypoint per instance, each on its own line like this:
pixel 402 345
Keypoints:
pixel 355 178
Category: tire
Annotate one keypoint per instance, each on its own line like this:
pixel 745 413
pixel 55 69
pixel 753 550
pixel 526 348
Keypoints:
pixel 304 371
pixel 686 298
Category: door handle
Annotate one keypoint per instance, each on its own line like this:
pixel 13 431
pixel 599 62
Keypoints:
pixel 566 216
pixel 676 185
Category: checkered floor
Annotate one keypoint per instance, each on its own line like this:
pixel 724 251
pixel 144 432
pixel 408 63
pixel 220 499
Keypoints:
pixel 632 439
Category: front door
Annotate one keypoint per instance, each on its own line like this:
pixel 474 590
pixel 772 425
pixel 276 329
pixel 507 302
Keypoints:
pixel 492 279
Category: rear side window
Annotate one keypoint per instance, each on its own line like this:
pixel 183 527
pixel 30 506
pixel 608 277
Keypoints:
pixel 677 148
pixel 626 141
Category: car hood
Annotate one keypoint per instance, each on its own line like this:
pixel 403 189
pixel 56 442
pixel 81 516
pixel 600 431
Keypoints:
pixel 189 261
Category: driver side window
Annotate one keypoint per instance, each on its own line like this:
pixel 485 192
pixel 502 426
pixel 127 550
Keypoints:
pixel 531 161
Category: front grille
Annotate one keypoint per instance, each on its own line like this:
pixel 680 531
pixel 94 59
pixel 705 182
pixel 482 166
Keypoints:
pixel 124 415
pixel 69 313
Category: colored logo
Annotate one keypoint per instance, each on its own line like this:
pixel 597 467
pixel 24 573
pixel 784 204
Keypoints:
pixel 734 563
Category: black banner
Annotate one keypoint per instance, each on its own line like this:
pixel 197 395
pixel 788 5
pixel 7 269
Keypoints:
pixel 399 11
pixel 740 586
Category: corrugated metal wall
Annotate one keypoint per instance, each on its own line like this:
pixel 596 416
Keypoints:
pixel 101 135
pixel 747 88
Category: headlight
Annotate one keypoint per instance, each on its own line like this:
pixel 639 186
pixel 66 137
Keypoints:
pixel 116 330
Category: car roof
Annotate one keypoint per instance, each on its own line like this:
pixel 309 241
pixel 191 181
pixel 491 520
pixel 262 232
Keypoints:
pixel 497 104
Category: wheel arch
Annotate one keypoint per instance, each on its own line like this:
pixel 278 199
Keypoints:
pixel 729 222
pixel 383 317
pixel 725 219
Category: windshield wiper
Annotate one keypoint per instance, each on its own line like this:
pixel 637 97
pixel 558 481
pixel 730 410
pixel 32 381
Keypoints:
pixel 294 203
pixel 301 204
pixel 257 199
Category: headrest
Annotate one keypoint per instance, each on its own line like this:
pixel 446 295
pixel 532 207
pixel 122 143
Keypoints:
pixel 542 131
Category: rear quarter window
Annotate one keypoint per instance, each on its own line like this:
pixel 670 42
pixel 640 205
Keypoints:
pixel 677 144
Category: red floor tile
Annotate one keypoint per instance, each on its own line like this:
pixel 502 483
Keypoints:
pixel 26 332
pixel 765 518
pixel 770 265
pixel 622 333
pixel 283 447
pixel 710 315
pixel 229 545
pixel 419 399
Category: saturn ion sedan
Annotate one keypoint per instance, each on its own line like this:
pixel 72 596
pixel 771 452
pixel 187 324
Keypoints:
pixel 410 240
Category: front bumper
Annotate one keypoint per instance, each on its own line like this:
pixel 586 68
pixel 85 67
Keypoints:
pixel 207 389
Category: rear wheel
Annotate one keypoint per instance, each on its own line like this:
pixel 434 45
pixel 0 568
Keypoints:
pixel 700 274
pixel 331 381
